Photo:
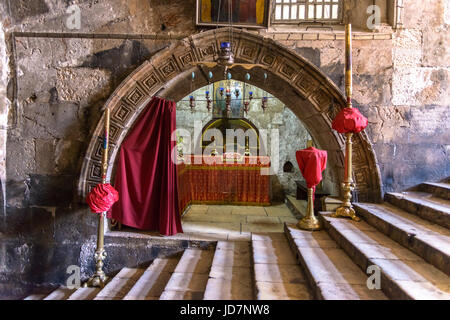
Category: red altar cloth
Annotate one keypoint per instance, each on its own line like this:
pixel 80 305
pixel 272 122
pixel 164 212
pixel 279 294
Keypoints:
pixel 206 180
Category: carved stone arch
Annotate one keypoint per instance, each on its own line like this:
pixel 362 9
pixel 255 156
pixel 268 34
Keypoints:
pixel 301 86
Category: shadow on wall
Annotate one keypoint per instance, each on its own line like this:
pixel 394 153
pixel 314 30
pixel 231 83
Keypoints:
pixel 278 193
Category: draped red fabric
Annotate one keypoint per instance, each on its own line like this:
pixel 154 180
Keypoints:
pixel 312 162
pixel 146 177
pixel 102 197
pixel 349 120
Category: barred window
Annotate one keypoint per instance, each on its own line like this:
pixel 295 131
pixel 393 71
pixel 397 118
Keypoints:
pixel 307 11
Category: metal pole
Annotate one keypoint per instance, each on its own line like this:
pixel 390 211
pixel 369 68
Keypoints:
pixel 310 222
pixel 99 278
pixel 346 210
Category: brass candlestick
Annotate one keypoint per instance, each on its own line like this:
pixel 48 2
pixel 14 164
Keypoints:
pixel 346 210
pixel 99 278
pixel 310 222
pixel 247 148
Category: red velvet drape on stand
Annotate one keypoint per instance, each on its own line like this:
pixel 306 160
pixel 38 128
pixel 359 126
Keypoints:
pixel 312 162
pixel 146 177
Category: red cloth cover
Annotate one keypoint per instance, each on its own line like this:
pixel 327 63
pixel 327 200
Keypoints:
pixel 229 182
pixel 349 120
pixel 312 162
pixel 102 197
pixel 146 176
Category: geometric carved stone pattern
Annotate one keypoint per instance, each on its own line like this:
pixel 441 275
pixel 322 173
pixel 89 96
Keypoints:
pixel 305 83
pixel 321 99
pixel 90 185
pixel 287 70
pixel 98 151
pixel 168 69
pixel 122 114
pixel 362 186
pixel 293 71
pixel 332 111
pixel 207 51
pixel 186 59
pixel 247 51
pixel 135 96
pixel 359 158
pixel 268 59
pixel 114 132
pixel 150 82
pixel 95 172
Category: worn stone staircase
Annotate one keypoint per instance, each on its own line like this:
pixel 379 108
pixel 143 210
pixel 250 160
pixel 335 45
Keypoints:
pixel 263 268
pixel 407 238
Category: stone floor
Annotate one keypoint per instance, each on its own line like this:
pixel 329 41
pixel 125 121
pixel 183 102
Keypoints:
pixel 225 222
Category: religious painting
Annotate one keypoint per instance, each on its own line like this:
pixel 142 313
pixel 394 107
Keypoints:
pixel 236 90
pixel 244 13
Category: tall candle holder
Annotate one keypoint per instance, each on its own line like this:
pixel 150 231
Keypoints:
pixel 347 210
pixel 99 278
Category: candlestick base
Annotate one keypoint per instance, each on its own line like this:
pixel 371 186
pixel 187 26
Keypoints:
pixel 346 212
pixel 309 223
pixel 96 281
pixel 99 279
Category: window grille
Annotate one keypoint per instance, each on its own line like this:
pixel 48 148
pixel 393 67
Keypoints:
pixel 287 11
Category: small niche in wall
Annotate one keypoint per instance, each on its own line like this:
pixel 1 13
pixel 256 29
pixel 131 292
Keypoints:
pixel 288 167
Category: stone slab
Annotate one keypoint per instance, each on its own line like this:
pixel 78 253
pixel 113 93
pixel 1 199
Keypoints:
pixel 187 282
pixel 84 294
pixel 195 261
pixel 258 228
pixel 249 211
pixel 279 211
pixel 282 291
pixel 230 258
pixel 59 294
pixel 181 295
pixel 278 273
pixel 222 289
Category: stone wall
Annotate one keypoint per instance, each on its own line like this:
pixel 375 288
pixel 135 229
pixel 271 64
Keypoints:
pixel 54 82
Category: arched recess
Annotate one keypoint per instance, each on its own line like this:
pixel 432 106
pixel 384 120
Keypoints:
pixel 301 86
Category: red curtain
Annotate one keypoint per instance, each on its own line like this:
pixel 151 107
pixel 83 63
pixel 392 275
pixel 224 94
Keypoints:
pixel 146 177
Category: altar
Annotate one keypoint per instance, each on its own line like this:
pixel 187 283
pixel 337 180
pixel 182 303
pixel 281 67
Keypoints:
pixel 223 180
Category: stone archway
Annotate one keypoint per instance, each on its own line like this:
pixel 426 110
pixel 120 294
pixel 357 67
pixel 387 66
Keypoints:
pixel 301 86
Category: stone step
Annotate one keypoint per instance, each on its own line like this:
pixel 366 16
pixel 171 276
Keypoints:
pixel 60 294
pixel 404 275
pixel 438 189
pixel 84 294
pixel 35 297
pixel 189 279
pixel 297 207
pixel 118 287
pixel 277 274
pixel 330 272
pixel 430 241
pixel 151 284
pixel 230 277
pixel 425 205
